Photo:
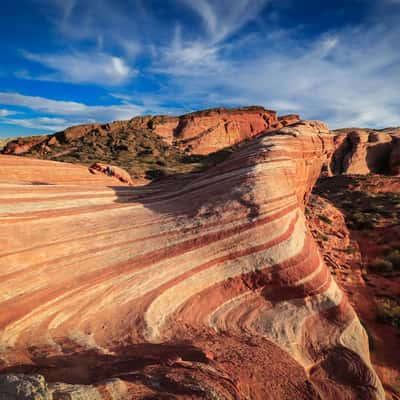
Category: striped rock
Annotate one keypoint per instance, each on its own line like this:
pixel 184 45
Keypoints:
pixel 201 286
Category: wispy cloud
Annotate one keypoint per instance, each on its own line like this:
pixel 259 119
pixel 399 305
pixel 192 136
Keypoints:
pixel 224 17
pixel 79 67
pixel 110 24
pixel 45 124
pixel 208 53
pixel 347 77
pixel 71 108
pixel 54 115
pixel 6 113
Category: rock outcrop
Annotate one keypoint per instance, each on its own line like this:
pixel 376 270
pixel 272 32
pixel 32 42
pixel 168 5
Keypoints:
pixel 364 151
pixel 200 132
pixel 22 145
pixel 394 162
pixel 35 387
pixel 112 170
pixel 200 286
pixel 207 131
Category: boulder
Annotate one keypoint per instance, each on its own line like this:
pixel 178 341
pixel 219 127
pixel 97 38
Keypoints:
pixel 23 387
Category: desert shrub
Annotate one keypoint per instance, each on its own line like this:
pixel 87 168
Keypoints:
pixel 394 258
pixel 388 312
pixel 323 237
pixel 350 250
pixel 347 204
pixel 381 265
pixel 325 219
pixel 363 220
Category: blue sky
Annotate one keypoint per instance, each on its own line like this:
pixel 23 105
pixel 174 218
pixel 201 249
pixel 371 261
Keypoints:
pixel 65 62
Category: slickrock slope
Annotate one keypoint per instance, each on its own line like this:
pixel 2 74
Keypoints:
pixel 153 145
pixel 15 170
pixel 364 151
pixel 204 286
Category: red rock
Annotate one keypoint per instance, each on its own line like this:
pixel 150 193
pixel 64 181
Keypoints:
pixel 394 162
pixel 22 145
pixel 112 170
pixel 25 171
pixel 206 131
pixel 363 151
pixel 200 132
pixel 142 283
pixel 289 119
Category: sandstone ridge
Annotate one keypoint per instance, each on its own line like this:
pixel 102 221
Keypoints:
pixel 200 286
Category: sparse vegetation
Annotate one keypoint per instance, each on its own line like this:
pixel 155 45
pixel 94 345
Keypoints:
pixel 394 258
pixel 350 250
pixel 360 220
pixel 381 265
pixel 139 151
pixel 363 209
pixel 387 263
pixel 388 311
pixel 325 219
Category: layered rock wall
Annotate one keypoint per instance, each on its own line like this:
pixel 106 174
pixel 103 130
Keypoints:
pixel 203 286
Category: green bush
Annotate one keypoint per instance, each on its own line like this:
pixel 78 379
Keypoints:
pixel 325 219
pixel 394 258
pixel 350 250
pixel 381 265
pixel 388 312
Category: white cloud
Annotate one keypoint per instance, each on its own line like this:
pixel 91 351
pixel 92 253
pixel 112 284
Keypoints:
pixel 45 124
pixel 5 113
pixel 105 23
pixel 224 17
pixel 79 67
pixel 184 57
pixel 56 115
pixel 72 109
pixel 347 78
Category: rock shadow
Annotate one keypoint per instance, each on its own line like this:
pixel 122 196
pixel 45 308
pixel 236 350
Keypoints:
pixel 89 367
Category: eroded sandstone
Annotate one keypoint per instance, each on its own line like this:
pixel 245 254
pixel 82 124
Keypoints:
pixel 201 286
pixel 200 132
pixel 364 151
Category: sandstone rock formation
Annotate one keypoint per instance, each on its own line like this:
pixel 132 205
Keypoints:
pixel 201 286
pixel 22 145
pixel 201 132
pixel 394 162
pixel 15 170
pixel 364 151
pixel 206 131
pixel 112 170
